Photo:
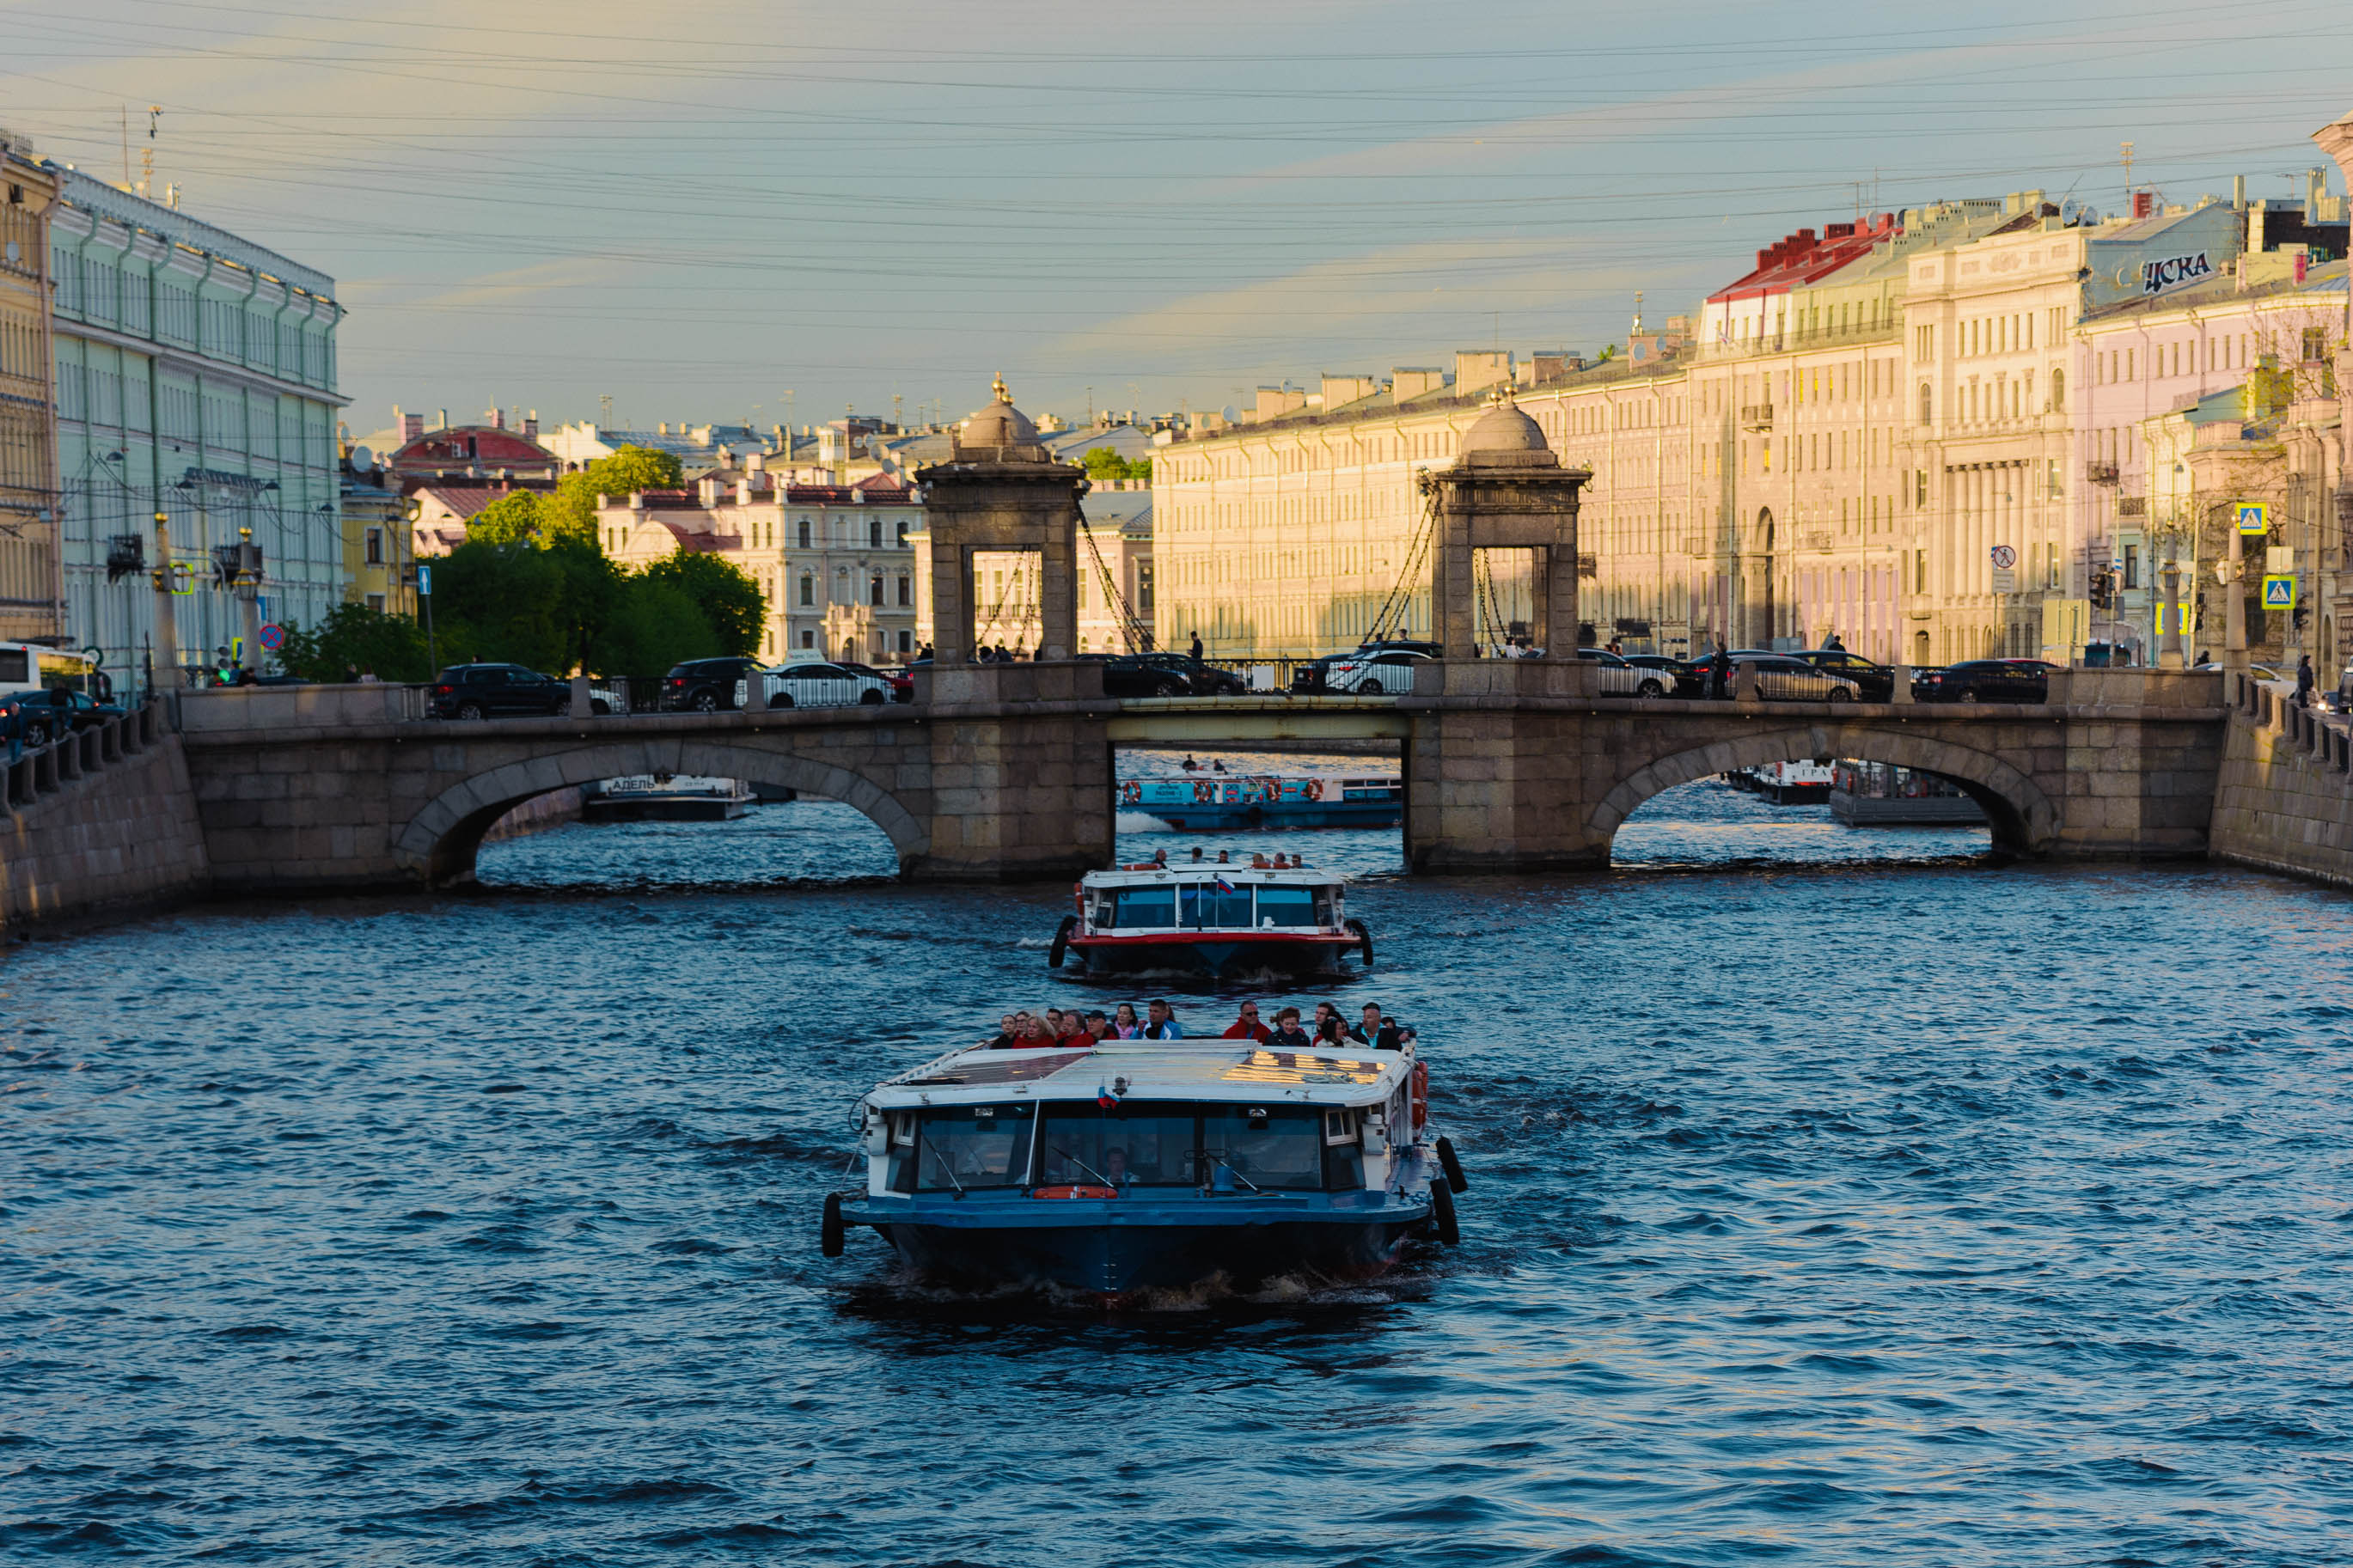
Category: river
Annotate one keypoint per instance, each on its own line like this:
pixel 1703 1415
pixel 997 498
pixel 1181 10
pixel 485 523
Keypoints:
pixel 1835 1198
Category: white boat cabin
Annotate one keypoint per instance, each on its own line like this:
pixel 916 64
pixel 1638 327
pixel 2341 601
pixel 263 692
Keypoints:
pixel 1211 898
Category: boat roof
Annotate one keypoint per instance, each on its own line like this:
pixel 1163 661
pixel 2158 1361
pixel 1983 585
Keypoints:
pixel 1187 871
pixel 1207 1069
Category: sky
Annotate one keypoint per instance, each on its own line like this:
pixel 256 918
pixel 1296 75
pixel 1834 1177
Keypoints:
pixel 755 212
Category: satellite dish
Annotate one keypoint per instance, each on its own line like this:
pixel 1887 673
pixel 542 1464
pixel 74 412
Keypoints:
pixel 363 459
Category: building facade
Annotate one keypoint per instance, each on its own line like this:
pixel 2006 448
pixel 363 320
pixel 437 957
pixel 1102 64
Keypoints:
pixel 32 590
pixel 196 378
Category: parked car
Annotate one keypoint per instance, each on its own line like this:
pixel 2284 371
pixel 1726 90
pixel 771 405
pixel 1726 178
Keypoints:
pixel 1202 679
pixel 1373 674
pixel 1985 681
pixel 40 717
pixel 1315 674
pixel 814 685
pixel 1784 678
pixel 1686 678
pixel 902 684
pixel 1876 682
pixel 1137 675
pixel 705 685
pixel 1622 678
pixel 496 690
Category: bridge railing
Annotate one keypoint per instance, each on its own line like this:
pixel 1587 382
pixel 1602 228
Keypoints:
pixel 48 768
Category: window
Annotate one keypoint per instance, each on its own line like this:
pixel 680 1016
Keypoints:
pixel 375 603
pixel 375 547
pixel 970 1146
pixel 804 539
pixel 1203 905
pixel 808 639
pixel 2058 391
pixel 1286 906
pixel 2132 565
pixel 875 584
pixel 809 587
pixel 1144 908
pixel 1277 1147
pixel 906 642
pixel 2315 344
pixel 1927 403
pixel 906 592
pixel 1135 1143
pixel 874 536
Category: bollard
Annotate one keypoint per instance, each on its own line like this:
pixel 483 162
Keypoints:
pixel 1744 681
pixel 580 709
pixel 1902 692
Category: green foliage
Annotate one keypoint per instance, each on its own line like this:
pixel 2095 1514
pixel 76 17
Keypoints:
pixel 1105 465
pixel 505 603
pixel 353 638
pixel 569 515
pixel 729 603
pixel 513 516
pixel 656 625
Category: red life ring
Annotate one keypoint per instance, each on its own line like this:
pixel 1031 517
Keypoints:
pixel 1420 1094
pixel 1131 792
pixel 1312 789
pixel 1204 792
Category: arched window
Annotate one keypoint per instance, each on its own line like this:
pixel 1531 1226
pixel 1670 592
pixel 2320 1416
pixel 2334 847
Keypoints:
pixel 874 586
pixel 804 533
pixel 808 585
pixel 2058 391
pixel 1927 405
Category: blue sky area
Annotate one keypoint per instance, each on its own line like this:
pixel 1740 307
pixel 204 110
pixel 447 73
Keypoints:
pixel 696 209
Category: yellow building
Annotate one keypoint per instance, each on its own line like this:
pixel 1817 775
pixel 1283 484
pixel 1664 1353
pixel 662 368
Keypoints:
pixel 379 547
pixel 32 592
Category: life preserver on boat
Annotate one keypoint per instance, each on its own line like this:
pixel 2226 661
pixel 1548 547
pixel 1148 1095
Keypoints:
pixel 1312 789
pixel 1204 792
pixel 1131 792
pixel 1420 1094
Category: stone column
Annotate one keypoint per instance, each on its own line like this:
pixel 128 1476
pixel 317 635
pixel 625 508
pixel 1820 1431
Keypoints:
pixel 2169 648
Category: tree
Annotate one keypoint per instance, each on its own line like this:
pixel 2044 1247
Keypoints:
pixel 654 625
pixel 1105 465
pixel 729 603
pixel 570 514
pixel 515 516
pixel 354 637
pixel 506 603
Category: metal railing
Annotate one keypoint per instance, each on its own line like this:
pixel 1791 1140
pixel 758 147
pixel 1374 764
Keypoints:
pixel 36 771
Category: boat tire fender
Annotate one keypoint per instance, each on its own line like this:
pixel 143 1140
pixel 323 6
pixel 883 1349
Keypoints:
pixel 1420 1094
pixel 1364 940
pixel 1441 1214
pixel 1451 1165
pixel 1061 942
pixel 829 1229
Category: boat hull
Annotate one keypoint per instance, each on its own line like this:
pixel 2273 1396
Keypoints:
pixel 1117 1247
pixel 1237 954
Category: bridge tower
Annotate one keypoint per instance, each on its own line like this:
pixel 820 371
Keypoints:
pixel 1000 491
pixel 1496 769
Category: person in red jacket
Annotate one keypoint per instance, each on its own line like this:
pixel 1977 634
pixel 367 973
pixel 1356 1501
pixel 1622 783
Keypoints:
pixel 1246 1027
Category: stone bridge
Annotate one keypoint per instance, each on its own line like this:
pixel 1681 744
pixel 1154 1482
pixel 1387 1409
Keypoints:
pixel 1006 771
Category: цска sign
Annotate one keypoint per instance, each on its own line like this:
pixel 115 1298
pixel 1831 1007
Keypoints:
pixel 2157 276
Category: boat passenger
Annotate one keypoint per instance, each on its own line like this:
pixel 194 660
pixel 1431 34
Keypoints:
pixel 1288 1036
pixel 1189 766
pixel 1258 863
pixel 1162 1024
pixel 1246 1027
pixel 1115 1166
pixel 1381 1034
pixel 1099 1027
pixel 1197 854
pixel 1225 858
pixel 1124 1024
pixel 1330 1031
pixel 1216 765
pixel 1008 1033
pixel 1160 859
pixel 1035 1035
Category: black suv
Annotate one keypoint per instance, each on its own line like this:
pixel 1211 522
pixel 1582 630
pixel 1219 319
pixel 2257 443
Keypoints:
pixel 1985 681
pixel 497 690
pixel 1134 675
pixel 705 685
pixel 1202 680
pixel 1878 682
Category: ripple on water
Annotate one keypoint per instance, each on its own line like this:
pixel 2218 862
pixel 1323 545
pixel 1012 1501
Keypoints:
pixel 481 1230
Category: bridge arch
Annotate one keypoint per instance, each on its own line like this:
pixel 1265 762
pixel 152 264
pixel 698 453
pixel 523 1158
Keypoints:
pixel 2022 818
pixel 441 842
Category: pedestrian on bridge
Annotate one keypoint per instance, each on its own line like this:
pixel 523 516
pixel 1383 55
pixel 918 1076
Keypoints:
pixel 2305 680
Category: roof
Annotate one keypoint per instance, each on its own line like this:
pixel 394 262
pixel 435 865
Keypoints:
pixel 1205 872
pixel 465 500
pixel 1196 1069
pixel 473 446
pixel 1803 257
pixel 2221 289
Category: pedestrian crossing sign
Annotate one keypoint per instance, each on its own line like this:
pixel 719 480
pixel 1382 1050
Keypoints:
pixel 2279 592
pixel 2254 517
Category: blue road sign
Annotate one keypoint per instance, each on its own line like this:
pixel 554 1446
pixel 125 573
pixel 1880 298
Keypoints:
pixel 2279 592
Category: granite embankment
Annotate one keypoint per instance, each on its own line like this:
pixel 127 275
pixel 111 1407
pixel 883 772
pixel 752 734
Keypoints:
pixel 2285 800
pixel 103 824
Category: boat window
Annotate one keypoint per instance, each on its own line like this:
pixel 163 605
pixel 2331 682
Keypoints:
pixel 1286 906
pixel 1131 1145
pixel 967 1147
pixel 1273 1147
pixel 1145 906
pixel 1204 906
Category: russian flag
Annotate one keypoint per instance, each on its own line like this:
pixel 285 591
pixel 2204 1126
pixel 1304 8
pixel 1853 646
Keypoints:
pixel 1223 885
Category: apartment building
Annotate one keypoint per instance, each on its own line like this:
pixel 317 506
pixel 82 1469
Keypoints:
pixel 32 587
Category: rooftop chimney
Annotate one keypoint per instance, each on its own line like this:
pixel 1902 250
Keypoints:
pixel 412 427
pixel 530 424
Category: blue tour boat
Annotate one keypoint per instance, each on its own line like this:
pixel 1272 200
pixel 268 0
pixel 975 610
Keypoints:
pixel 1202 802
pixel 1147 1164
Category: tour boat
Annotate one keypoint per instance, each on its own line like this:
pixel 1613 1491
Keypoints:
pixel 1140 1165
pixel 1201 802
pixel 1212 920
pixel 659 798
pixel 1879 794
pixel 1789 784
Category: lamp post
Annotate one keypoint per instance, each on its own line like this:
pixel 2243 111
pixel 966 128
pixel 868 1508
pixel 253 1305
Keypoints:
pixel 167 623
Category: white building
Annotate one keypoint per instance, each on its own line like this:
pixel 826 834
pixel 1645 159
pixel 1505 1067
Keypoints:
pixel 196 377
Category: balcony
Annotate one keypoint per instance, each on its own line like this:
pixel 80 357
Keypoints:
pixel 2100 473
pixel 2132 505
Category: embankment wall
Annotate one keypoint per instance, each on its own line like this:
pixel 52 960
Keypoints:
pixel 103 826
pixel 2284 801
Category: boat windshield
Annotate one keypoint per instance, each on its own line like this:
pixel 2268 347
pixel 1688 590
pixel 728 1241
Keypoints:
pixel 1208 906
pixel 966 1147
pixel 1288 907
pixel 1131 1145
pixel 1272 1147
pixel 1140 907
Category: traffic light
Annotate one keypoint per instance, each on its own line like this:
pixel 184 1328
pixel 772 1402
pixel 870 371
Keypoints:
pixel 2104 590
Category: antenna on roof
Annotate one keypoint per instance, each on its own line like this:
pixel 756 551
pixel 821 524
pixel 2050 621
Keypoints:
pixel 147 153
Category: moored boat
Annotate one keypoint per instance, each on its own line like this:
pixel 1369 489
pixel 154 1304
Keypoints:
pixel 1880 795
pixel 1147 1164
pixel 667 798
pixel 1210 920
pixel 1202 803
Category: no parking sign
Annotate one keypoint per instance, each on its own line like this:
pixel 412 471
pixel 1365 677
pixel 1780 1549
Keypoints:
pixel 272 637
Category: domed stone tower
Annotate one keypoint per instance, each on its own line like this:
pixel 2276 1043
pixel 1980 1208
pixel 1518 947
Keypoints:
pixel 1000 491
pixel 1507 491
